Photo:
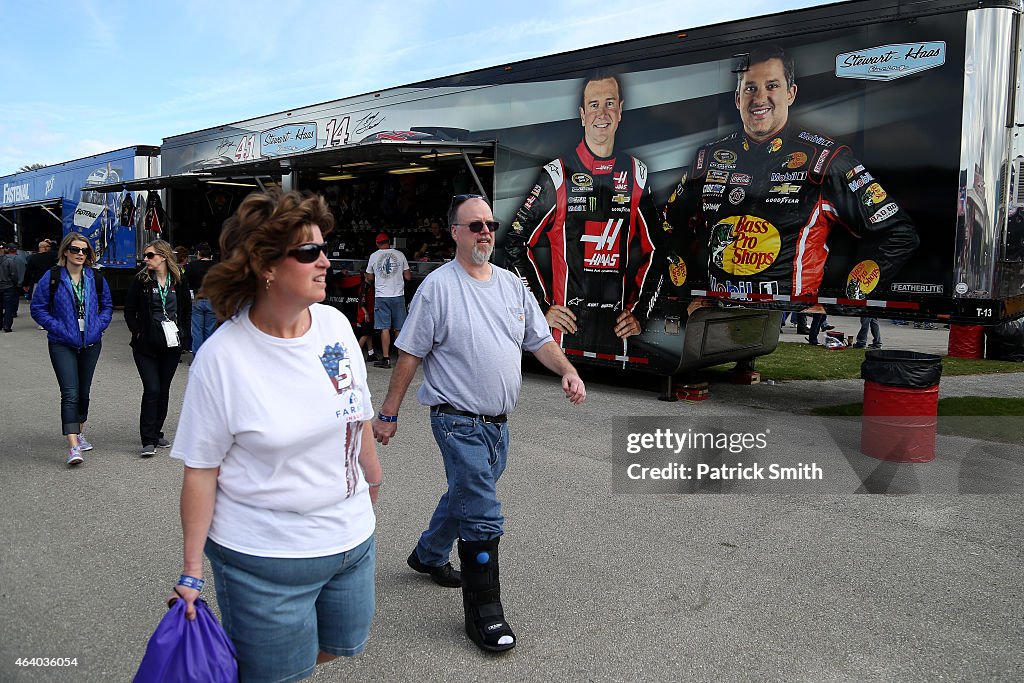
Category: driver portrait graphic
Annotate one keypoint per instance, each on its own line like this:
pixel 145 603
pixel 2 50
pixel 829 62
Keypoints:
pixel 583 240
pixel 755 211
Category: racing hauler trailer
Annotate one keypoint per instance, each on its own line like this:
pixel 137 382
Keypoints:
pixel 864 156
pixel 52 201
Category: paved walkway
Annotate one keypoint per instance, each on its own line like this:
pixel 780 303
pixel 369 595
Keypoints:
pixel 601 586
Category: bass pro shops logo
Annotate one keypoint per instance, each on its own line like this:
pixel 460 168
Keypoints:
pixel 744 245
pixel 601 245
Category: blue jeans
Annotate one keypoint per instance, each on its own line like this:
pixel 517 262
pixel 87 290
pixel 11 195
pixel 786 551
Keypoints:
pixel 204 322
pixel 281 612
pixel 876 334
pixel 74 369
pixel 474 454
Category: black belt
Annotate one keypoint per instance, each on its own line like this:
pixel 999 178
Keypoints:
pixel 448 409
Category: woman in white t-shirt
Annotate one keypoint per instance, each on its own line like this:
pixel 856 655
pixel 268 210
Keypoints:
pixel 281 467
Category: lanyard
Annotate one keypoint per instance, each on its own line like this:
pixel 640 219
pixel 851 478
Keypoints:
pixel 164 291
pixel 79 291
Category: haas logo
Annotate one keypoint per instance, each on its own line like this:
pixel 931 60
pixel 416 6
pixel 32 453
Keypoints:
pixel 601 245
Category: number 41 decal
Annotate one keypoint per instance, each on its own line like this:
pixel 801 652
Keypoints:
pixel 246 149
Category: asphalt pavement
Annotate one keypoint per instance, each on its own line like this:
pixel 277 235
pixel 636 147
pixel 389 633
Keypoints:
pixel 819 583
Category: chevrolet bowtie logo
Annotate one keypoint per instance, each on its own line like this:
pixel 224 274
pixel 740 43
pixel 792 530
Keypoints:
pixel 620 199
pixel 785 188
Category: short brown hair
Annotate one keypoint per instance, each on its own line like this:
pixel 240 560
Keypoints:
pixel 259 233
pixel 62 252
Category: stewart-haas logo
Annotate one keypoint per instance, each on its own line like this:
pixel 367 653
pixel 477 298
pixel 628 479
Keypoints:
pixel 744 245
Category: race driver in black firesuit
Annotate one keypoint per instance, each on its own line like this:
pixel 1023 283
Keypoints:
pixel 757 207
pixel 595 213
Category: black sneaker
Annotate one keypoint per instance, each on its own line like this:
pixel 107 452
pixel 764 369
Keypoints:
pixel 859 345
pixel 443 576
pixel 812 342
pixel 383 363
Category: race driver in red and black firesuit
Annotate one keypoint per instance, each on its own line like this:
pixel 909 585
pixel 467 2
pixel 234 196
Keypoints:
pixel 758 205
pixel 595 214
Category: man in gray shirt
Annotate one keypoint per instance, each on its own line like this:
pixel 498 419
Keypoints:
pixel 468 324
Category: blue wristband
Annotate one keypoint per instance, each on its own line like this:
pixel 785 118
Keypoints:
pixel 387 418
pixel 191 582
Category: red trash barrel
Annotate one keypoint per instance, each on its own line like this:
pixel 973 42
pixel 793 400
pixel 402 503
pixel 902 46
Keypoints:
pixel 966 341
pixel 901 400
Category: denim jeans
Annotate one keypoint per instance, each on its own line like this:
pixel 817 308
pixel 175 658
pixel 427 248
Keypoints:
pixel 204 322
pixel 156 371
pixel 862 335
pixel 74 369
pixel 474 454
pixel 8 306
pixel 281 612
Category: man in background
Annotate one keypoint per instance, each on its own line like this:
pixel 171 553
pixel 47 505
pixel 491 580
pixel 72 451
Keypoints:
pixel 388 270
pixel 204 322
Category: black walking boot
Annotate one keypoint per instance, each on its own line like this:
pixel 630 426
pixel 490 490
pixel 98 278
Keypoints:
pixel 481 596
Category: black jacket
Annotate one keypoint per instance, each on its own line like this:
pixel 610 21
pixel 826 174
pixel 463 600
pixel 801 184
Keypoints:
pixel 138 313
pixel 37 265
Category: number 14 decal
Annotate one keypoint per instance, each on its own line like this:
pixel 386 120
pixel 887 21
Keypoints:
pixel 337 133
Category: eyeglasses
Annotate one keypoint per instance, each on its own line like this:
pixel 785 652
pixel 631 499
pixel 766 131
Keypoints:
pixel 307 253
pixel 78 250
pixel 150 254
pixel 478 226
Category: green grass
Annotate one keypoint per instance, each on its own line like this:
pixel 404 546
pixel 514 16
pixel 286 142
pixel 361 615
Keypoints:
pixel 803 361
pixel 1006 431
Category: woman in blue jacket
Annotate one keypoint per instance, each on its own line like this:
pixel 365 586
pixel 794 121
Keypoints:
pixel 74 317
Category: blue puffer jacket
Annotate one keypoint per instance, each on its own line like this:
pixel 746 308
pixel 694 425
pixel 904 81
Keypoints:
pixel 61 323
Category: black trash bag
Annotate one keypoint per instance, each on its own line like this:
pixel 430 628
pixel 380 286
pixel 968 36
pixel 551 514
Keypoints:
pixel 1005 341
pixel 908 369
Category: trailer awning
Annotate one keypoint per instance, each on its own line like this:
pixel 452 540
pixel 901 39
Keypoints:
pixel 190 179
pixel 42 204
pixel 363 157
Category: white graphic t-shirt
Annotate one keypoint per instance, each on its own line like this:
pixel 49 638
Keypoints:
pixel 388 267
pixel 283 420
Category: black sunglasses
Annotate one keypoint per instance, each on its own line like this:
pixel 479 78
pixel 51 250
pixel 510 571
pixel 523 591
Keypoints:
pixel 475 226
pixel 78 250
pixel 478 226
pixel 150 254
pixel 307 253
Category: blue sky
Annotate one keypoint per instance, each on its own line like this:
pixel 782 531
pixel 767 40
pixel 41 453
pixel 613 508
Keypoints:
pixel 84 76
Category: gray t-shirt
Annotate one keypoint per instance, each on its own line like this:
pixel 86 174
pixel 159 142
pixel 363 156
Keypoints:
pixel 470 335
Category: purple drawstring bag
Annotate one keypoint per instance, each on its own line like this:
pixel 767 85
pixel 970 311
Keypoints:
pixel 183 651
